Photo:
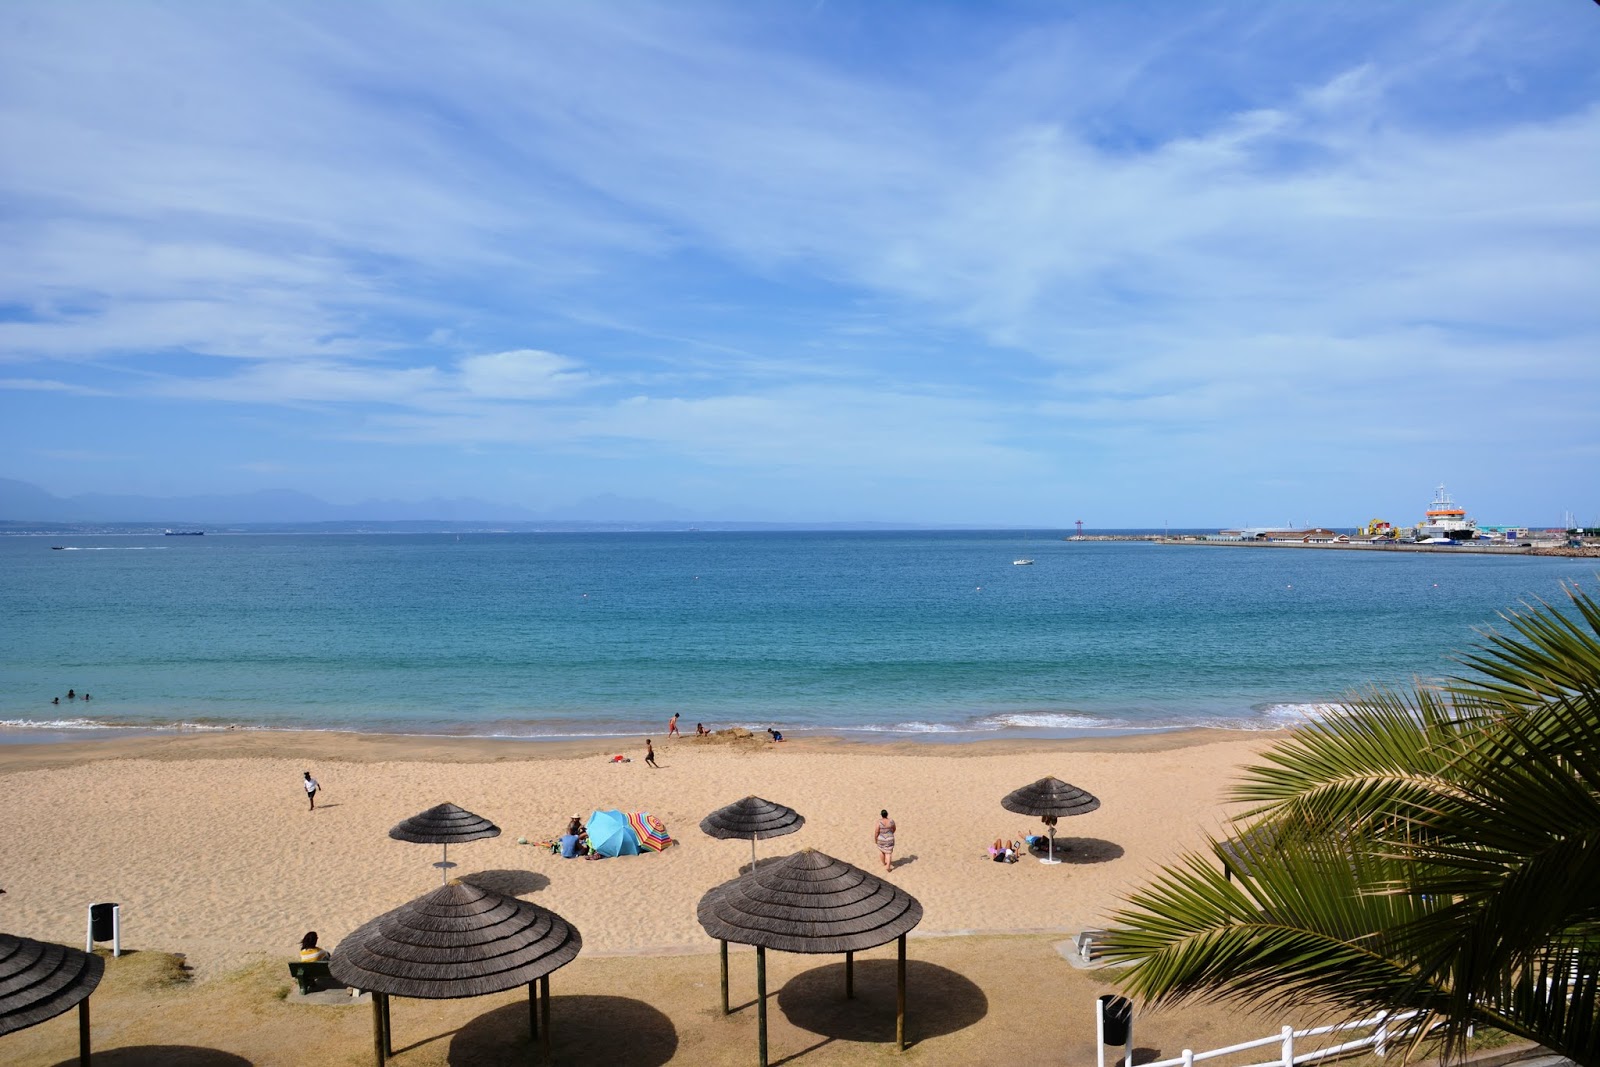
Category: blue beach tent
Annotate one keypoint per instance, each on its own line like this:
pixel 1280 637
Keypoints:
pixel 610 834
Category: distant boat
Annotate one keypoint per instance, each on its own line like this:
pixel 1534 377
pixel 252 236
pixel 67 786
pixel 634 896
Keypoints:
pixel 1022 563
pixel 58 548
pixel 185 533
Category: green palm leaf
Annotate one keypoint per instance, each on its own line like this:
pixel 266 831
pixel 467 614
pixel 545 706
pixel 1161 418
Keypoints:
pixel 1436 849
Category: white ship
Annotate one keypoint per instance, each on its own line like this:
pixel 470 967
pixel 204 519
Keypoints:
pixel 1446 519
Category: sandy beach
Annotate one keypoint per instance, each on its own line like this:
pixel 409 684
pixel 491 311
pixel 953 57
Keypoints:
pixel 207 843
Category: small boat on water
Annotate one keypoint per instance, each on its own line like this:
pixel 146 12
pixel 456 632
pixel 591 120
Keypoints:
pixel 185 533
pixel 1022 563
pixel 58 548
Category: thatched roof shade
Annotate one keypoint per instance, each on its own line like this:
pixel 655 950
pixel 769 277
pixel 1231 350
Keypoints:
pixel 752 818
pixel 444 824
pixel 1050 796
pixel 1240 853
pixel 458 941
pixel 809 902
pixel 39 981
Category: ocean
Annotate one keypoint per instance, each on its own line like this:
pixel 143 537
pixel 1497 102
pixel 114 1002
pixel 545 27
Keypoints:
pixel 933 635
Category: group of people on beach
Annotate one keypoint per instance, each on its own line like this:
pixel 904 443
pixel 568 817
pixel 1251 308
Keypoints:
pixel 673 731
pixel 72 694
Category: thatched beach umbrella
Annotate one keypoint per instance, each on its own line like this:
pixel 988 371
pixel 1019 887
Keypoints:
pixel 39 981
pixel 810 902
pixel 754 818
pixel 444 824
pixel 1053 798
pixel 458 941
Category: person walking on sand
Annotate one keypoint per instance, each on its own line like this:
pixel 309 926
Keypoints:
pixel 672 726
pixel 650 754
pixel 312 785
pixel 883 837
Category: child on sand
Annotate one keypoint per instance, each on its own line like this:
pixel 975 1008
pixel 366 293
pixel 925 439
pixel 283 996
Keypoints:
pixel 650 754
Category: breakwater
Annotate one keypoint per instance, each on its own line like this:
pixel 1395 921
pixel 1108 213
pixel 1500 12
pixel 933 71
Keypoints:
pixel 1580 551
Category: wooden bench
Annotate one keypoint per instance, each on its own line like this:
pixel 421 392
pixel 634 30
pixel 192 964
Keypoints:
pixel 307 974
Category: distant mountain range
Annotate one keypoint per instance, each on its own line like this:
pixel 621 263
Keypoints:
pixel 24 502
pixel 26 508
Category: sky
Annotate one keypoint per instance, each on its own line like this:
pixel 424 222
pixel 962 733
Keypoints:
pixel 999 264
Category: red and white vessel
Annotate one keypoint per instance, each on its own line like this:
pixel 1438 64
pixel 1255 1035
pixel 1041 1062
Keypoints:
pixel 1446 520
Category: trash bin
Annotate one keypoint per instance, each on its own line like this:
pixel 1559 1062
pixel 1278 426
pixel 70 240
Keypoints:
pixel 102 922
pixel 1118 1015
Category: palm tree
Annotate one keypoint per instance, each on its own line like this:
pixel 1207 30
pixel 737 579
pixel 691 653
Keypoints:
pixel 1437 849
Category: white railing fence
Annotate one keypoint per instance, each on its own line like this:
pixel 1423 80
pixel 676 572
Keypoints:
pixel 1285 1041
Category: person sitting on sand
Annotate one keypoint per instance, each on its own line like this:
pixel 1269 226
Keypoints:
pixel 700 730
pixel 309 952
pixel 574 840
pixel 776 736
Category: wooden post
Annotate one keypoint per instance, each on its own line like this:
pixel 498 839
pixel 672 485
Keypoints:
pixel 544 1012
pixel 724 978
pixel 388 1028
pixel 900 998
pixel 83 1032
pixel 761 1002
pixel 377 1026
pixel 533 1010
pixel 849 974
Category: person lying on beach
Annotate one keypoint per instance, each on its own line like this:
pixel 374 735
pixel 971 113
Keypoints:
pixel 1003 851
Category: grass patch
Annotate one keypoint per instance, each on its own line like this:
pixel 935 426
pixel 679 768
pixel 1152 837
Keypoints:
pixel 149 970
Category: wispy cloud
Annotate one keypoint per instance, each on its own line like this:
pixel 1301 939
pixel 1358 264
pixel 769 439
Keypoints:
pixel 727 237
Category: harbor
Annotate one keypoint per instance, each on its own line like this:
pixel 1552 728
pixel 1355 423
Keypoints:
pixel 1445 527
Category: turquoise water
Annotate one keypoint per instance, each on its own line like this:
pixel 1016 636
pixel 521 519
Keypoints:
pixel 548 635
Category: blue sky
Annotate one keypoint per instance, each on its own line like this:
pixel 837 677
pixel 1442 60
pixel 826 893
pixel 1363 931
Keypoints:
pixel 1011 264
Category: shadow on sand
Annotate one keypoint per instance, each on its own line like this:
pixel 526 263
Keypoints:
pixel 616 1031
pixel 511 883
pixel 938 1001
pixel 161 1056
pixel 1084 850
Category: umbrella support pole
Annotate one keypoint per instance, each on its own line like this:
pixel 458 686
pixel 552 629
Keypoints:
pixel 544 1016
pixel 1052 850
pixel 388 1028
pixel 377 1027
pixel 444 866
pixel 533 1010
pixel 849 975
pixel 761 1002
pixel 900 997
pixel 83 1032
pixel 752 852
pixel 724 977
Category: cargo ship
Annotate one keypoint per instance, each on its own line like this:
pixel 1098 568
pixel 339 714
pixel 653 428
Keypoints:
pixel 1445 520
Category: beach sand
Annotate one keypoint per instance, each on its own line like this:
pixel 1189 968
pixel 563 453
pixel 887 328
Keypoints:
pixel 207 843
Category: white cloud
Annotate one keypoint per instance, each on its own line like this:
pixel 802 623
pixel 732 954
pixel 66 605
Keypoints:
pixel 1088 226
pixel 522 374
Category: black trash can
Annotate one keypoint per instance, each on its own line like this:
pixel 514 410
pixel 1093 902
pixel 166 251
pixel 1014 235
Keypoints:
pixel 101 926
pixel 1118 1015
